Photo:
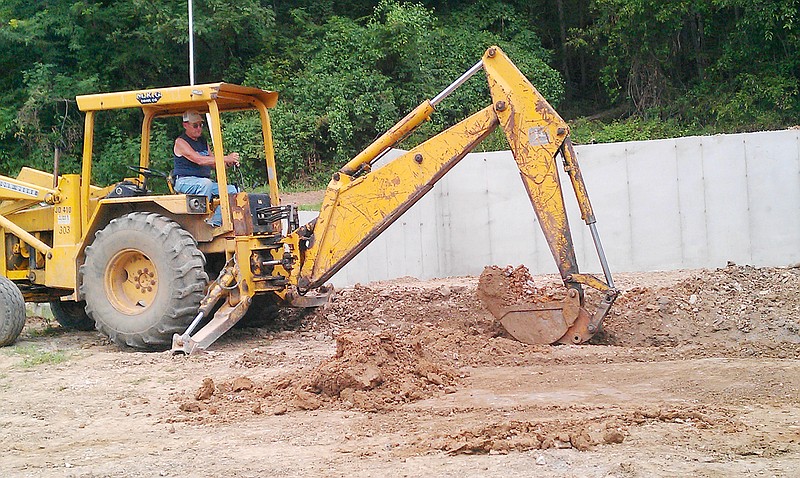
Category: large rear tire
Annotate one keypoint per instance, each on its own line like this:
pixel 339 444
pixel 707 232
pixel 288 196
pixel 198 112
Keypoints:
pixel 143 280
pixel 12 312
pixel 71 314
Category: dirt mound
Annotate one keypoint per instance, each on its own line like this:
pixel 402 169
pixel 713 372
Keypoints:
pixel 405 340
pixel 400 307
pixel 579 433
pixel 499 287
pixel 724 306
pixel 368 372
pixel 372 372
pixel 501 438
pixel 747 310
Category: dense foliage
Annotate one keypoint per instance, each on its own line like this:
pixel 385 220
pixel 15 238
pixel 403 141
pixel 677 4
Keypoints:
pixel 347 70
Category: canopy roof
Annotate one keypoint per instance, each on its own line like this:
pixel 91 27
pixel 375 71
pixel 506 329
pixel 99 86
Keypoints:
pixel 175 100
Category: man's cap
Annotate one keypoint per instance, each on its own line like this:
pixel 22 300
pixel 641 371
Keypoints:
pixel 191 116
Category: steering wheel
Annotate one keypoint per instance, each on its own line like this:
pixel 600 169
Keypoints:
pixel 148 173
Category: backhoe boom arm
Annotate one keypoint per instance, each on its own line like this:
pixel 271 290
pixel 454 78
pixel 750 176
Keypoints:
pixel 361 203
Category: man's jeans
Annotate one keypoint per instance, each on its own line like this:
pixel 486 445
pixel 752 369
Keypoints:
pixel 205 187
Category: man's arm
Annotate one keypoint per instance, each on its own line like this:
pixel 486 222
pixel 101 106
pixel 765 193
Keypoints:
pixel 182 148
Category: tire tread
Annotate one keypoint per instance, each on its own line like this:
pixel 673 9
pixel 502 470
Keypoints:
pixel 12 312
pixel 186 290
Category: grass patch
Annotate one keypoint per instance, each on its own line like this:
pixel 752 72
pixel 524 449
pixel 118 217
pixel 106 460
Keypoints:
pixel 310 207
pixel 40 322
pixel 50 330
pixel 305 186
pixel 293 187
pixel 33 356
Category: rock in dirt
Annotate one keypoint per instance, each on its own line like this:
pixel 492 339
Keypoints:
pixel 242 383
pixel 206 390
pixel 191 407
pixel 613 436
pixel 499 287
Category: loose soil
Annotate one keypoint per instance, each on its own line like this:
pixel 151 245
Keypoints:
pixel 303 198
pixel 695 373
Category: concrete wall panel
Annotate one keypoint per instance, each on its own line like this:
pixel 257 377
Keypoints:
pixel 605 172
pixel 773 193
pixel 680 203
pixel 514 233
pixel 466 219
pixel 726 198
pixel 653 187
pixel 695 246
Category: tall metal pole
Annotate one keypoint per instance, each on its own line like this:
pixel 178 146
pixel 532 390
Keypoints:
pixel 191 45
pixel 191 64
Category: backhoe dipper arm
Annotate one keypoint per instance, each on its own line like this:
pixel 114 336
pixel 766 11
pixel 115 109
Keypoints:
pixel 536 134
pixel 360 203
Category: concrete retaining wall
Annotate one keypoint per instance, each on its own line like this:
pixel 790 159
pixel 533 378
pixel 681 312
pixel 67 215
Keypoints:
pixel 670 204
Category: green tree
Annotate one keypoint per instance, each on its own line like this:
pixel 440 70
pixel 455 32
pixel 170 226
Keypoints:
pixel 719 64
pixel 357 78
pixel 56 50
pixel 347 70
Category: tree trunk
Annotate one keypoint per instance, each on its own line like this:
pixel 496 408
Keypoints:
pixel 563 32
pixel 699 44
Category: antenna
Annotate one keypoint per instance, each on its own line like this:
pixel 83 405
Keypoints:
pixel 191 45
pixel 191 62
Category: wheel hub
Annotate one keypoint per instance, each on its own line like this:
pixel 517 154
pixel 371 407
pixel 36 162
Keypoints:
pixel 131 280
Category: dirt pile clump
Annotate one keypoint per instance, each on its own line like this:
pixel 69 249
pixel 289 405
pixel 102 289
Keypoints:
pixel 444 316
pixel 406 340
pixel 499 287
pixel 579 433
pixel 400 307
pixel 368 372
pixel 371 372
pixel 501 438
pixel 726 306
pixel 737 307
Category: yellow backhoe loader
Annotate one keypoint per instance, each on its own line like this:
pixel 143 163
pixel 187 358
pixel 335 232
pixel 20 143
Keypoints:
pixel 149 272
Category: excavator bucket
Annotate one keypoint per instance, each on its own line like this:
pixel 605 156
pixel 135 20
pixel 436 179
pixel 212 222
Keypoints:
pixel 546 323
pixel 506 294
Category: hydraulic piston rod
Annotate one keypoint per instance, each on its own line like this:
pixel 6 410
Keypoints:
pixel 405 125
pixel 460 81
pixel 601 254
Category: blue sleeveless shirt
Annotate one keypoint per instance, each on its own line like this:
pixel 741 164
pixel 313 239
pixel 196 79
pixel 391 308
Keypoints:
pixel 185 167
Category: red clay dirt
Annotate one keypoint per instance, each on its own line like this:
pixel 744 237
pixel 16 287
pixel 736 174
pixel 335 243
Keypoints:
pixel 694 374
